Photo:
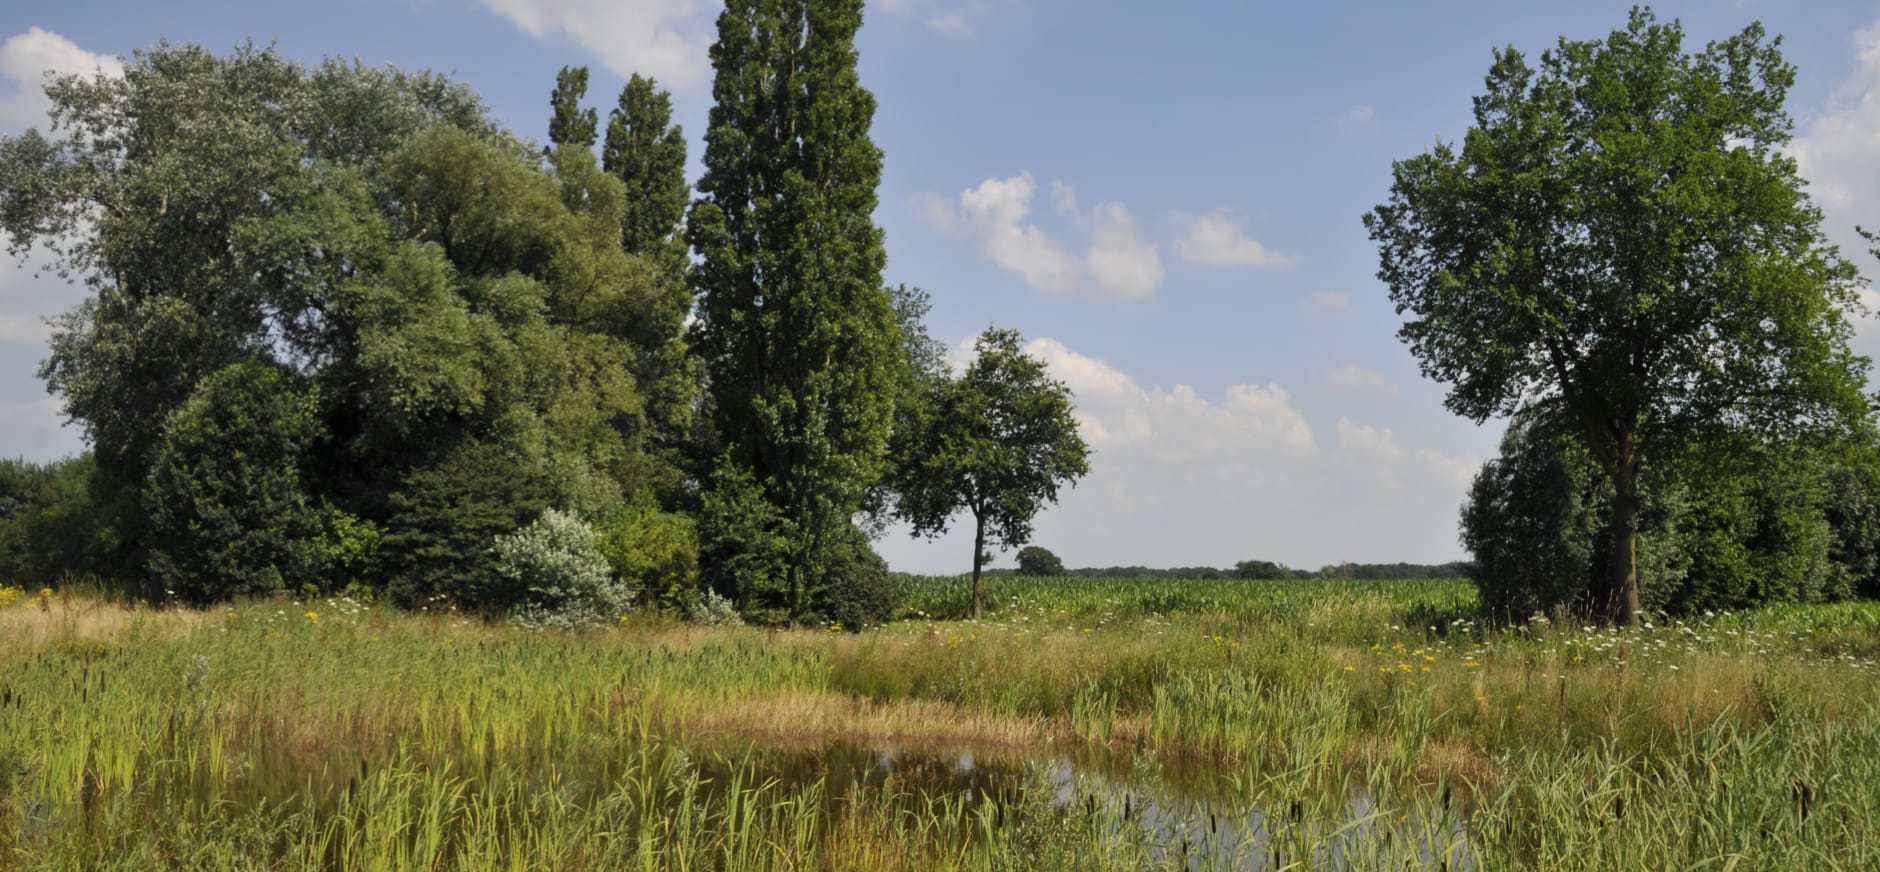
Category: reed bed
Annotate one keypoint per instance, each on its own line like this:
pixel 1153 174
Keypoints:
pixel 1147 724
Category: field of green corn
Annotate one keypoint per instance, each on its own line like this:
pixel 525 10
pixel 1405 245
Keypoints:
pixel 1111 724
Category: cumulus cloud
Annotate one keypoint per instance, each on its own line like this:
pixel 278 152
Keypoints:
pixel 1181 476
pixel 1215 239
pixel 665 39
pixel 25 61
pixel 1352 375
pixel 1120 260
pixel 1835 152
pixel 996 212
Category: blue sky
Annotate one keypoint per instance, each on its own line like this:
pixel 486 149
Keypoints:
pixel 1164 198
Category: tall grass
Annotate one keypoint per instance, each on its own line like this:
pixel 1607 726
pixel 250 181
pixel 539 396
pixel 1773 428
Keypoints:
pixel 1351 725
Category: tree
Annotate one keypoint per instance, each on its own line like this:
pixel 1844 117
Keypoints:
pixel 997 442
pixel 1619 245
pixel 795 333
pixel 1260 570
pixel 571 124
pixel 646 151
pixel 1033 560
pixel 463 323
pixel 228 514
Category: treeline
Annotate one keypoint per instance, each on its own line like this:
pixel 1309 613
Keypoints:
pixel 1034 560
pixel 349 332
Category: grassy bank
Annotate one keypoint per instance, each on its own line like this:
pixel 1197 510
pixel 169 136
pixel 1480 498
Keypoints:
pixel 1320 723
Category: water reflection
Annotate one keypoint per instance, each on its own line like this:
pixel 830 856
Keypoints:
pixel 1179 816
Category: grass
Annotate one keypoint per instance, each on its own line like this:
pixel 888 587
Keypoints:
pixel 1210 724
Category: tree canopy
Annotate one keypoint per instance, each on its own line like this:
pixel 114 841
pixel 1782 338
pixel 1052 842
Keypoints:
pixel 996 443
pixel 795 332
pixel 1620 244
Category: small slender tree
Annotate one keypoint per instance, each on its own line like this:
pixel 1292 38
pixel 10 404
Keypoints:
pixel 996 443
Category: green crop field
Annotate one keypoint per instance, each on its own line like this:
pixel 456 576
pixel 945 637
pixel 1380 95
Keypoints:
pixel 1095 724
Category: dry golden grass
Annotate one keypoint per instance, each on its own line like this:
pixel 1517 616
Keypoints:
pixel 41 620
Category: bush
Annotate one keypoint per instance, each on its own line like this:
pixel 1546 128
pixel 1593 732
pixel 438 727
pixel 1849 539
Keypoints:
pixel 854 592
pixel 567 582
pixel 712 610
pixel 655 553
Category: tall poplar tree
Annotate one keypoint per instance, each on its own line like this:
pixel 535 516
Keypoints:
pixel 571 124
pixel 796 334
pixel 646 150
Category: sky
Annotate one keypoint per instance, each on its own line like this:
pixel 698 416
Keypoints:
pixel 1164 199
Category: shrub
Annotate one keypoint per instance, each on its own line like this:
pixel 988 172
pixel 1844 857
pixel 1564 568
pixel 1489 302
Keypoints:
pixel 567 582
pixel 854 592
pixel 712 610
pixel 655 553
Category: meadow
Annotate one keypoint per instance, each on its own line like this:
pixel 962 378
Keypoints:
pixel 1089 724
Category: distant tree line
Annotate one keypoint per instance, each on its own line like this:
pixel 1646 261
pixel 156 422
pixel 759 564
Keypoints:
pixel 1035 560
pixel 345 331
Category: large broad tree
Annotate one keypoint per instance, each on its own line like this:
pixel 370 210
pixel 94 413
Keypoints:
pixel 996 443
pixel 346 270
pixel 795 332
pixel 1619 244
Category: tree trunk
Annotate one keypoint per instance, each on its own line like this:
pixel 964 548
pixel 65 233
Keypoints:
pixel 1622 595
pixel 979 550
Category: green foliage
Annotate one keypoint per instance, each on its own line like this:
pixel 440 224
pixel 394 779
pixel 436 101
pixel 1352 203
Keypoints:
pixel 1725 525
pixel 1260 570
pixel 444 517
pixel 794 331
pixel 228 513
pixel 655 552
pixel 853 592
pixel 646 151
pixel 564 580
pixel 449 306
pixel 1533 523
pixel 53 523
pixel 1034 560
pixel 996 443
pixel 1621 245
pixel 741 553
pixel 570 124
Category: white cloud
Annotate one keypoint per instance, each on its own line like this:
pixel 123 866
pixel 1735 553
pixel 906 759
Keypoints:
pixel 1835 153
pixel 950 23
pixel 1118 260
pixel 1352 375
pixel 26 59
pixel 665 39
pixel 1215 239
pixel 1358 116
pixel 1175 425
pixel 1329 300
pixel 1181 477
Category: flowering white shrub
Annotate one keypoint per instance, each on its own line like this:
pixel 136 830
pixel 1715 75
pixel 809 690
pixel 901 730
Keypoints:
pixel 713 610
pixel 569 584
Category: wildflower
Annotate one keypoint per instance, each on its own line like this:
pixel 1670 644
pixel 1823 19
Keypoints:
pixel 1351 669
pixel 313 617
